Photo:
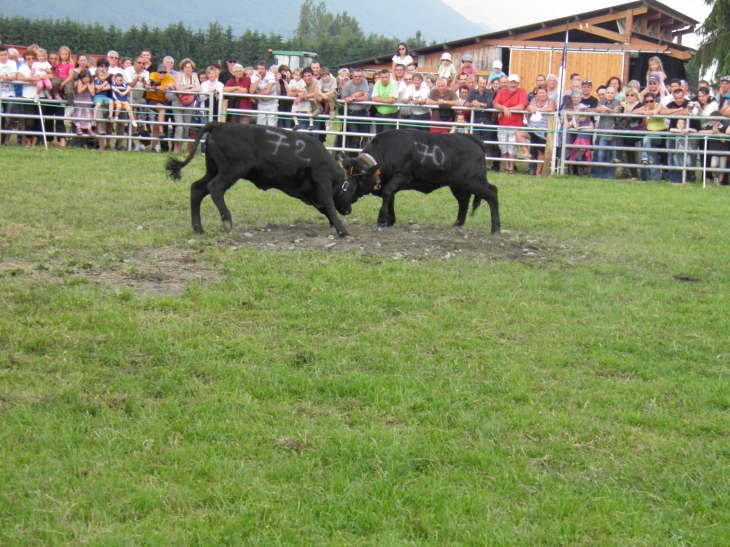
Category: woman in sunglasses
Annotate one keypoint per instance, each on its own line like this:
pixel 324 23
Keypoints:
pixel 403 57
pixel 651 108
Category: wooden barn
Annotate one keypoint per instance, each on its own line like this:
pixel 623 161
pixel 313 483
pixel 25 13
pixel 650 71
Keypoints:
pixel 614 41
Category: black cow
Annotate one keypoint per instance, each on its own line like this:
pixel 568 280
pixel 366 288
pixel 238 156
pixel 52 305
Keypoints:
pixel 416 160
pixel 296 164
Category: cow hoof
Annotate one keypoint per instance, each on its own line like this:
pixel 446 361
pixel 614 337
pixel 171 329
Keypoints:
pixel 227 226
pixel 198 230
pixel 382 224
pixel 345 235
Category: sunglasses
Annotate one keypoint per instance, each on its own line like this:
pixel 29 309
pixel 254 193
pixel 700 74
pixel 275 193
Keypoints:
pixel 649 102
pixel 401 49
pixel 162 72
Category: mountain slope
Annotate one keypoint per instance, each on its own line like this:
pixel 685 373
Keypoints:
pixel 433 18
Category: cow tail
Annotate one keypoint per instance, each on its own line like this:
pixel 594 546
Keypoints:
pixel 475 205
pixel 174 165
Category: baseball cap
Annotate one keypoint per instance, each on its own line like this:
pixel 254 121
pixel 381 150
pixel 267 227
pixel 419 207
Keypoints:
pixel 725 78
pixel 497 64
pixel 161 68
pixel 653 79
pixel 466 57
pixel 446 57
pixel 586 82
pixel 232 58
pixel 513 78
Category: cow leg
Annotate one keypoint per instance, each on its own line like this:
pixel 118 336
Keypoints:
pixel 391 211
pixel 331 213
pixel 462 198
pixel 217 189
pixel 387 211
pixel 487 192
pixel 198 191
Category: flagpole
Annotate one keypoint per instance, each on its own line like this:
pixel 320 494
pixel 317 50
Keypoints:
pixel 563 63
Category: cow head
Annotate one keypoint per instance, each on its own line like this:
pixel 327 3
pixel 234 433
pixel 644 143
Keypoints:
pixel 363 176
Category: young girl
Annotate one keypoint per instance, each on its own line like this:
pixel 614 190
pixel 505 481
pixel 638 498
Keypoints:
pixel 657 70
pixel 403 57
pixel 43 69
pixel 584 124
pixel 84 93
pixel 461 124
pixel 102 89
pixel 296 86
pixel 64 80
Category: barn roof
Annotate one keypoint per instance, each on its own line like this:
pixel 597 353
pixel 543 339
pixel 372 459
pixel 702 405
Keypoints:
pixel 650 22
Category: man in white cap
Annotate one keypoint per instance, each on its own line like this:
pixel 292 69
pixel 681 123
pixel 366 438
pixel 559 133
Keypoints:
pixel 496 71
pixel 507 100
pixel 446 69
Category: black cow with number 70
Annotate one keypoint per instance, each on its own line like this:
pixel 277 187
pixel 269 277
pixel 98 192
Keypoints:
pixel 415 160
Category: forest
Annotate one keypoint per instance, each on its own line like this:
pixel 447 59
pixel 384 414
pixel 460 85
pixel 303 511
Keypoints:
pixel 337 38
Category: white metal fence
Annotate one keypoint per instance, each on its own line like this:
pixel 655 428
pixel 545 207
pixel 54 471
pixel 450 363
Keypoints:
pixel 646 154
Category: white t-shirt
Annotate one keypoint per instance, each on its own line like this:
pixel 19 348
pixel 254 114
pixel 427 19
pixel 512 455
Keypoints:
pixel 115 70
pixel 42 69
pixel 130 74
pixel 268 78
pixel 405 61
pixel 8 68
pixel 420 94
pixel 29 89
pixel 205 88
pixel 300 85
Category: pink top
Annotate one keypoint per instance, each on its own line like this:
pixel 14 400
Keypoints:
pixel 64 69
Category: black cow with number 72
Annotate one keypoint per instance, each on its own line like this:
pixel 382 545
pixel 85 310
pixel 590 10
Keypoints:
pixel 415 160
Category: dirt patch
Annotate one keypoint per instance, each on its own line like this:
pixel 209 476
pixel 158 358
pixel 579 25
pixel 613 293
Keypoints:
pixel 166 271
pixel 408 242
pixel 159 272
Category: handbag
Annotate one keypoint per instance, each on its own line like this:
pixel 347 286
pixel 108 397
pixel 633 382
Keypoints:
pixel 186 100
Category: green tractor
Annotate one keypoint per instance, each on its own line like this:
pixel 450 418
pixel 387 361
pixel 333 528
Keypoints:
pixel 293 59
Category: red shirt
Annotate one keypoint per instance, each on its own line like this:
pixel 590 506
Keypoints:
pixel 245 103
pixel 510 100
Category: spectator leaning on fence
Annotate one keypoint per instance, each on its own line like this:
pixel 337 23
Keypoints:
pixel 512 98
pixel 353 91
pixel 678 107
pixel 537 122
pixel 607 105
pixel 385 92
pixel 417 94
pixel 445 99
pixel 655 124
pixel 8 73
pixel 481 98
pixel 265 88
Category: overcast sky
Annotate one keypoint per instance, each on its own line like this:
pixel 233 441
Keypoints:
pixel 504 15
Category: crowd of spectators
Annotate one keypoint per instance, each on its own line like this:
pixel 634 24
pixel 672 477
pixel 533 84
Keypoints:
pixel 496 106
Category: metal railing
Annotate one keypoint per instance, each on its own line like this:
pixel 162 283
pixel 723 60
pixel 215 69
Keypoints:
pixel 691 152
pixel 350 128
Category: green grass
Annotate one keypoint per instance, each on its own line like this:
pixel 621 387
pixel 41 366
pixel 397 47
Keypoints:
pixel 319 399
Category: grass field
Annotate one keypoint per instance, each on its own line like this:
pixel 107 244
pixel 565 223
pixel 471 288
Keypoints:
pixel 313 398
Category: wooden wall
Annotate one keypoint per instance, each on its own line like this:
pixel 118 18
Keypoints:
pixel 595 66
pixel 482 56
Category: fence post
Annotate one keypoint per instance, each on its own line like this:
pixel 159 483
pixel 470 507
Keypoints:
pixel 343 144
pixel 549 154
pixel 684 157
pixel 43 125
pixel 704 165
pixel 564 139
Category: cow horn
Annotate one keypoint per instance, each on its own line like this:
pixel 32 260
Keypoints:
pixel 367 158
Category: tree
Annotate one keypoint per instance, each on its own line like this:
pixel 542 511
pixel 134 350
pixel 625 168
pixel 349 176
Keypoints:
pixel 716 43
